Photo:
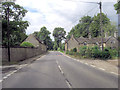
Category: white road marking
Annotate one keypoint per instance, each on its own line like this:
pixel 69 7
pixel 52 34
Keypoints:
pixel 1 81
pixel 78 60
pixel 8 75
pixel 92 66
pixel 5 77
pixel 68 84
pixel 114 73
pixel 102 69
pixel 86 63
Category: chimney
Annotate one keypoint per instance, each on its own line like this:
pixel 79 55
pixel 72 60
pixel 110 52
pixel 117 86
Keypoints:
pixel 89 35
pixel 106 35
pixel 115 34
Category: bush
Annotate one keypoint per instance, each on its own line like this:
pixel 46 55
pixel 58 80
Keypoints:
pixel 67 52
pixel 26 44
pixel 58 49
pixel 74 49
pixel 95 53
pixel 105 54
pixel 83 50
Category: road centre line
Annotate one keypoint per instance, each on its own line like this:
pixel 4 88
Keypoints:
pixel 1 81
pixel 66 80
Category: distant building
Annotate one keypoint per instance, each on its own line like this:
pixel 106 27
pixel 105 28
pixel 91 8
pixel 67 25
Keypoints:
pixel 78 42
pixel 36 42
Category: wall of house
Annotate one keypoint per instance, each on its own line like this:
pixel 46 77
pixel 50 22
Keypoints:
pixel 66 47
pixel 18 54
pixel 72 43
pixel 32 40
pixel 112 42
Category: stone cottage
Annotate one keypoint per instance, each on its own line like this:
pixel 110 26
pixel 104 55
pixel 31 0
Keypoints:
pixel 36 42
pixel 81 41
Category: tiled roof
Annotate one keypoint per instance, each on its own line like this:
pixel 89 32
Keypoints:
pixel 91 40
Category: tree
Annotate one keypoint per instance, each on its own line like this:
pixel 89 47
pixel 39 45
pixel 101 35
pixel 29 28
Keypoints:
pixel 16 25
pixel 44 35
pixel 59 35
pixel 95 25
pixel 117 7
pixel 82 28
pixel 110 29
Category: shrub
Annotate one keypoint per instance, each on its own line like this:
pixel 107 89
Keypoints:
pixel 95 53
pixel 58 49
pixel 74 49
pixel 83 50
pixel 105 54
pixel 26 44
pixel 67 52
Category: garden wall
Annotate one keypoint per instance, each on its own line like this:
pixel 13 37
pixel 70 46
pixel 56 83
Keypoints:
pixel 18 54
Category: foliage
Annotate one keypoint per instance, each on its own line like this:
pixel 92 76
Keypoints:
pixel 58 49
pixel 55 46
pixel 44 35
pixel 94 52
pixel 91 25
pixel 26 44
pixel 95 25
pixel 117 7
pixel 82 28
pixel 59 34
pixel 110 28
pixel 16 25
pixel 74 49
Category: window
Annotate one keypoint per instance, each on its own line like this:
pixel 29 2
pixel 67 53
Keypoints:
pixel 85 43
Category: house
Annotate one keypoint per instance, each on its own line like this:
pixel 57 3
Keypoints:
pixel 81 41
pixel 36 42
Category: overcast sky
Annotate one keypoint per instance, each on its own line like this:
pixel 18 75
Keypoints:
pixel 62 13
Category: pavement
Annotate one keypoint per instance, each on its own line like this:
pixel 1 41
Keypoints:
pixel 56 70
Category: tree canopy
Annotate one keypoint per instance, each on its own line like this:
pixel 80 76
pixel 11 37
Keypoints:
pixel 117 7
pixel 91 25
pixel 59 35
pixel 17 26
pixel 44 35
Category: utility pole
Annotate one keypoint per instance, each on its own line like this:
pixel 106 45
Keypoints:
pixel 101 25
pixel 8 34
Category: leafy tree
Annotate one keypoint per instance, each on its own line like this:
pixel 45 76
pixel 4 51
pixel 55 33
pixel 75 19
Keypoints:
pixel 95 25
pixel 82 28
pixel 110 28
pixel 59 34
pixel 55 46
pixel 117 7
pixel 44 35
pixel 16 25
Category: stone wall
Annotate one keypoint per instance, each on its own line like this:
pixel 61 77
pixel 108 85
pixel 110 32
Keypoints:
pixel 18 54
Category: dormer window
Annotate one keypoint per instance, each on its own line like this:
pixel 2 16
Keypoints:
pixel 97 43
pixel 85 43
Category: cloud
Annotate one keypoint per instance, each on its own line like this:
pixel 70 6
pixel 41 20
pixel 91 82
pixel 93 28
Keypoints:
pixel 62 13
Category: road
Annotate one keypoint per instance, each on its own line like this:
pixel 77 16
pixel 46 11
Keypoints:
pixel 54 70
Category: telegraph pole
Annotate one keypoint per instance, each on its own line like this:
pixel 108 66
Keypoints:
pixel 8 34
pixel 101 25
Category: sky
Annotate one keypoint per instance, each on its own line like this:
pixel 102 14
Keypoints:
pixel 62 13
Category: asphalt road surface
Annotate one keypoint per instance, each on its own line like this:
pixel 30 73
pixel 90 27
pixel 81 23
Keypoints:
pixel 54 70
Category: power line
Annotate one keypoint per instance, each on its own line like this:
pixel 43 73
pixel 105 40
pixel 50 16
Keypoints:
pixel 83 15
pixel 82 1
